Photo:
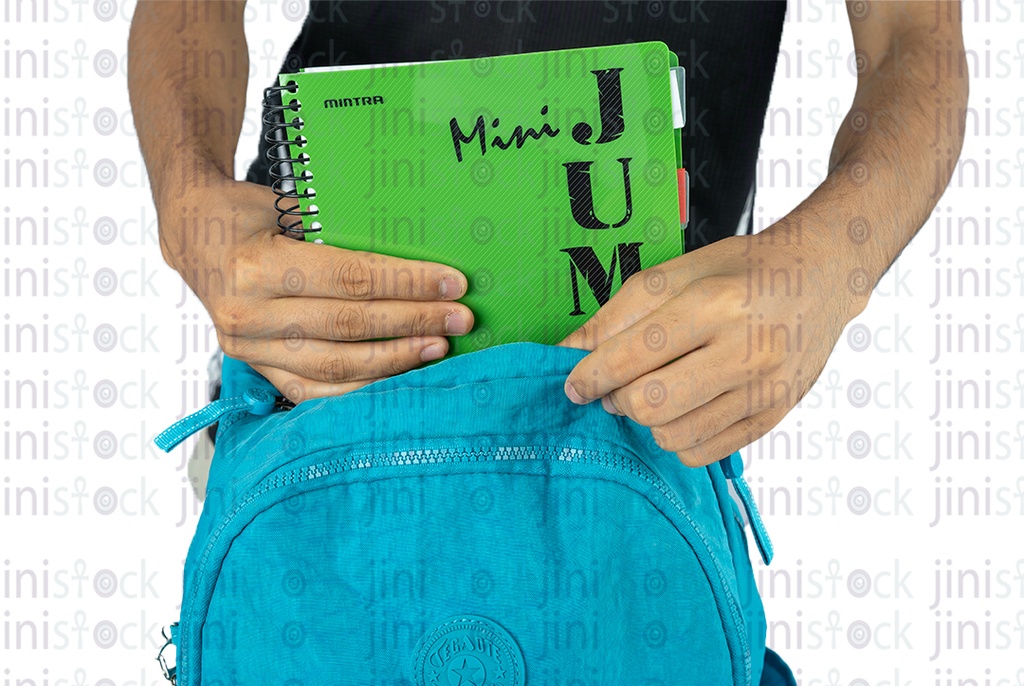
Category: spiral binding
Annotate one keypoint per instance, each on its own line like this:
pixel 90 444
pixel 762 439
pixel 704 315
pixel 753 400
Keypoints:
pixel 281 169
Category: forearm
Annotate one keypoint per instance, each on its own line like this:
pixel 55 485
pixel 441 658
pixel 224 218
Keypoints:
pixel 188 68
pixel 891 160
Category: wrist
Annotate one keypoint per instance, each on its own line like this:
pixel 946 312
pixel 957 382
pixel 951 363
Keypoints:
pixel 188 189
pixel 835 254
pixel 187 176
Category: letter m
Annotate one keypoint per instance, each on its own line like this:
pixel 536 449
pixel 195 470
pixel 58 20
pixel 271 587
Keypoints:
pixel 330 103
pixel 583 260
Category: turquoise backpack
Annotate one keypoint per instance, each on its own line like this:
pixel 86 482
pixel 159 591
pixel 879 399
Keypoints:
pixel 462 524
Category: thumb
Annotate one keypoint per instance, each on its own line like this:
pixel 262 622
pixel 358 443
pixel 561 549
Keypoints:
pixel 641 294
pixel 252 211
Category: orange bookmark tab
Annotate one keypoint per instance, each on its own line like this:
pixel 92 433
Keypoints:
pixel 683 204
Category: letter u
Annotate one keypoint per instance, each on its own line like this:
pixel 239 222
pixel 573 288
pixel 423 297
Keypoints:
pixel 581 194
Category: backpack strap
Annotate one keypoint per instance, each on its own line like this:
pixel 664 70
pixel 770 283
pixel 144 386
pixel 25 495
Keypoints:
pixel 732 467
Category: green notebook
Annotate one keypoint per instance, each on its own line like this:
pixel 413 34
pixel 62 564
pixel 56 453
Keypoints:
pixel 546 178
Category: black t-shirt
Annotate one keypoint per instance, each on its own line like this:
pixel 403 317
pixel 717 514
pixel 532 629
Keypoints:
pixel 729 51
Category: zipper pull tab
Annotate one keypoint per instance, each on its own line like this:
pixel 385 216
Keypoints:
pixel 732 467
pixel 256 400
pixel 170 673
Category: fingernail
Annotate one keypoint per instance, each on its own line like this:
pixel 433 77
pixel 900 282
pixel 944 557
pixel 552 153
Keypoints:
pixel 455 322
pixel 606 403
pixel 434 351
pixel 573 395
pixel 450 287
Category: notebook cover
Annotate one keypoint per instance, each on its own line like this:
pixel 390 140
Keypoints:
pixel 546 178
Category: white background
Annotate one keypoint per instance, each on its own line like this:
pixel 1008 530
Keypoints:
pixel 859 607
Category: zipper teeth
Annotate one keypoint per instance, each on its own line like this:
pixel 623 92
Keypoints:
pixel 490 454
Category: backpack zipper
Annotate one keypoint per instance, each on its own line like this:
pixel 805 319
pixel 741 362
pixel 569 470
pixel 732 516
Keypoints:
pixel 366 460
pixel 260 402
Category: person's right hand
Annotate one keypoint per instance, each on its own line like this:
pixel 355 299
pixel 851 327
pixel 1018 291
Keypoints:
pixel 303 314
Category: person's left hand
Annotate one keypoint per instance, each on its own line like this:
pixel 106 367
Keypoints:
pixel 713 348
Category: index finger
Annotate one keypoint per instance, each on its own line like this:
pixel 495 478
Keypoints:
pixel 327 271
pixel 650 343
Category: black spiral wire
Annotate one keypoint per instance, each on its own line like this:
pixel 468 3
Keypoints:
pixel 282 170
